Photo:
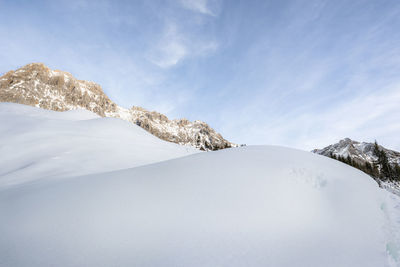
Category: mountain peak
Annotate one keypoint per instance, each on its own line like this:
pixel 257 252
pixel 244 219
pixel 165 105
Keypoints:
pixel 359 152
pixel 37 85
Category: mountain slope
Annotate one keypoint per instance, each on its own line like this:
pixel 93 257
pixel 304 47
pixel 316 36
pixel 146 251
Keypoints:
pixel 40 144
pixel 363 157
pixel 37 85
pixel 360 152
pixel 250 206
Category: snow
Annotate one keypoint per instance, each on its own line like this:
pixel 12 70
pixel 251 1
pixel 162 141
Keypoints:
pixel 39 144
pixel 391 186
pixel 122 113
pixel 247 206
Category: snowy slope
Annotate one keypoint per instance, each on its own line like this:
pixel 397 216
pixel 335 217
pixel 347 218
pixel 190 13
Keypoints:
pixel 249 206
pixel 39 144
pixel 39 86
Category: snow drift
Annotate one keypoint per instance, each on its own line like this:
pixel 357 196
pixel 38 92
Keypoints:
pixel 253 206
pixel 39 144
pixel 63 201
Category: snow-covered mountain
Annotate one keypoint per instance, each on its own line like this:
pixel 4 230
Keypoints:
pixel 81 190
pixel 37 85
pixel 359 152
pixel 362 156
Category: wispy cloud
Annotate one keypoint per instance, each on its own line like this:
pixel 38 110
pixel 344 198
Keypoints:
pixel 294 73
pixel 176 44
pixel 206 48
pixel 200 6
pixel 170 50
pixel 362 118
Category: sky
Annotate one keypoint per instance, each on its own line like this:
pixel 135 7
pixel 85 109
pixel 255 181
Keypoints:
pixel 301 74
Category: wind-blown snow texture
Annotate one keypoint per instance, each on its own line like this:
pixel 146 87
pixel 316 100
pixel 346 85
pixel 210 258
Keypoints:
pixel 248 206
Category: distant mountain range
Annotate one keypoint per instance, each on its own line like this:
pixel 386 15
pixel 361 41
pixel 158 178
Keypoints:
pixel 362 155
pixel 37 85
pixel 360 152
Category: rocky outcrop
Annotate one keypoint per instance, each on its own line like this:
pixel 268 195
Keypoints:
pixel 360 152
pixel 37 85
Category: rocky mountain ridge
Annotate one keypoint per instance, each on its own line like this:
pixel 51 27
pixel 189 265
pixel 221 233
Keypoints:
pixel 360 152
pixel 37 85
pixel 382 164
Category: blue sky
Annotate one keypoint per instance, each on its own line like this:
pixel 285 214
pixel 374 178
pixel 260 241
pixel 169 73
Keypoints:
pixel 302 74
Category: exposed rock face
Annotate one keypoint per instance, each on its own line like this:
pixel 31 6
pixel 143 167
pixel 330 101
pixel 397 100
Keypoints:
pixel 37 85
pixel 359 152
